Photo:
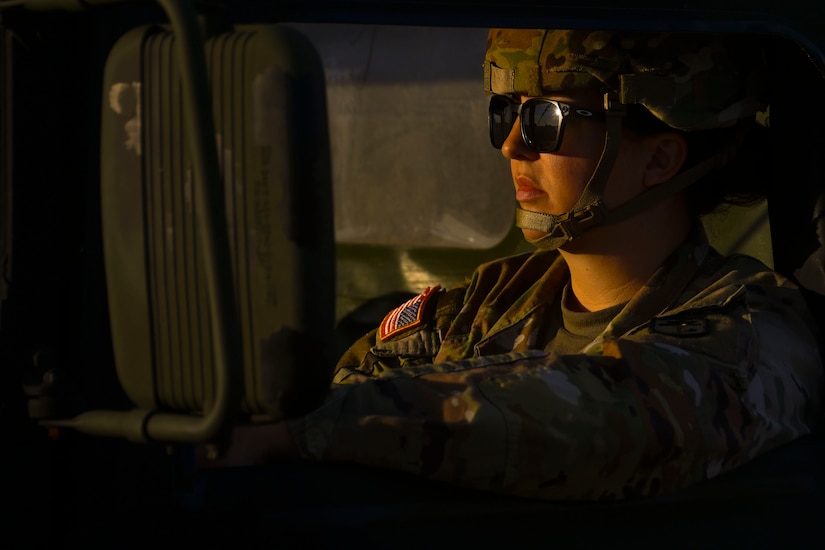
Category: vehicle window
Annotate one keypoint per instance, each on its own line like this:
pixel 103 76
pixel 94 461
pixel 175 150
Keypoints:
pixel 412 163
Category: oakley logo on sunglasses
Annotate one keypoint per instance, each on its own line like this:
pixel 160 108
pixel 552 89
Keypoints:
pixel 542 121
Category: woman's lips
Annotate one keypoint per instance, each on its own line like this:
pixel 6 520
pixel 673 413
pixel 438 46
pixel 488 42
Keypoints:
pixel 527 190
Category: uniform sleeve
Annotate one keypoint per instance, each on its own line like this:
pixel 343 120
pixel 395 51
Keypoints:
pixel 354 356
pixel 637 419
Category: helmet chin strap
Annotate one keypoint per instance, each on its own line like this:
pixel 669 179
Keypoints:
pixel 589 211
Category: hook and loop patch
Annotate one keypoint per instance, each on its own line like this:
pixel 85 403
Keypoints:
pixel 407 316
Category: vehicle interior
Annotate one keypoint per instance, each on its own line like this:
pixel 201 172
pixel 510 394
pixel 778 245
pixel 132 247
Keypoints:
pixel 159 286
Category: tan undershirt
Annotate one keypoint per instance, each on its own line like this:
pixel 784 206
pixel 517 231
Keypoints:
pixel 578 328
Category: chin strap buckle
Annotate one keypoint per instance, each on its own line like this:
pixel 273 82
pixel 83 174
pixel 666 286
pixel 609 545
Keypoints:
pixel 573 224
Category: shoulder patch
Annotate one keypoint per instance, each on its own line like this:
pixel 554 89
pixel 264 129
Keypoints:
pixel 406 316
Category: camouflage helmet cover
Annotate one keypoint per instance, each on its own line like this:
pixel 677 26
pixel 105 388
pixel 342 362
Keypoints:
pixel 689 81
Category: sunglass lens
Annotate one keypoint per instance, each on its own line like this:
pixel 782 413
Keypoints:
pixel 540 122
pixel 540 125
pixel 503 113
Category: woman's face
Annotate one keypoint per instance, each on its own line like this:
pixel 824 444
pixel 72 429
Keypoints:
pixel 553 182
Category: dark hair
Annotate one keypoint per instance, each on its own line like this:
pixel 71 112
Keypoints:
pixel 740 182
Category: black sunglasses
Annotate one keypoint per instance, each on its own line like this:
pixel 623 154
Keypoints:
pixel 542 121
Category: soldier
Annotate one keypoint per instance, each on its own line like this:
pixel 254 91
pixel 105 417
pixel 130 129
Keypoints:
pixel 624 357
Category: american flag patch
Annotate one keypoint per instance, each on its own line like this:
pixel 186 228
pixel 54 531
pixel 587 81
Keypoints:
pixel 407 315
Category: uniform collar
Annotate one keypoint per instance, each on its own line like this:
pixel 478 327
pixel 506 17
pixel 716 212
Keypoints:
pixel 664 288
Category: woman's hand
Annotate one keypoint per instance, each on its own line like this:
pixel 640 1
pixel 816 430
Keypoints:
pixel 253 445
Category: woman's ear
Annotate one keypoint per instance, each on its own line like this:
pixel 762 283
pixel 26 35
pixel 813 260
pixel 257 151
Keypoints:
pixel 668 152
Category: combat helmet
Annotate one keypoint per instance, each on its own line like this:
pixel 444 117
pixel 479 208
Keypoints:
pixel 689 81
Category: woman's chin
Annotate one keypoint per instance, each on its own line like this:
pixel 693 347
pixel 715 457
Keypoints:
pixel 532 235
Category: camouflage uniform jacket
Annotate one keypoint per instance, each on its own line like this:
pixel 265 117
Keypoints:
pixel 711 363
